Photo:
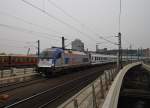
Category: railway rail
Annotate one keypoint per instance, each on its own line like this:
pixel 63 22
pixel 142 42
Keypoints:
pixel 11 86
pixel 51 90
pixel 58 92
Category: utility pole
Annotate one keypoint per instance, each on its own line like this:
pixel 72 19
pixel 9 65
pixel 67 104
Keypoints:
pixel 63 43
pixel 119 52
pixel 141 54
pixel 127 54
pixel 131 52
pixel 38 48
pixel 138 54
pixel 96 48
pixel 119 41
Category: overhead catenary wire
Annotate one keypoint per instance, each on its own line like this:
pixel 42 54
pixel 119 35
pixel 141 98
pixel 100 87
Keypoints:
pixel 39 34
pixel 14 46
pixel 79 22
pixel 28 22
pixel 20 41
pixel 66 13
pixel 108 41
pixel 59 20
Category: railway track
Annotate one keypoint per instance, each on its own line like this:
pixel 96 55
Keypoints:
pixel 51 93
pixel 65 93
pixel 16 85
pixel 61 91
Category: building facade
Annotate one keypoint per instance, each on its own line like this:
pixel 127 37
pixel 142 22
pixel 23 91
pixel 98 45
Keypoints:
pixel 77 45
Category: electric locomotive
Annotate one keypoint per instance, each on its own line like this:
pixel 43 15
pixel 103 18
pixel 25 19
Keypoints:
pixel 54 60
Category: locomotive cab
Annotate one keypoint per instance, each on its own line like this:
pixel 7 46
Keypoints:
pixel 48 59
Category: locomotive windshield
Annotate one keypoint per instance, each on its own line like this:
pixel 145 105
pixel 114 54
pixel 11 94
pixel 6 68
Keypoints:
pixel 46 55
pixel 51 54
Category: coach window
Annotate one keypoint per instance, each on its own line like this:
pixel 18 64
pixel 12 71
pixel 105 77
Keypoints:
pixel 31 59
pixel 16 60
pixel 20 60
pixel 13 60
pixel 28 59
pixel 24 60
pixel 2 60
pixel 34 60
pixel 5 60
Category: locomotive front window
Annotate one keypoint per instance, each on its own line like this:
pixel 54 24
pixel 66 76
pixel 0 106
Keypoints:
pixel 46 55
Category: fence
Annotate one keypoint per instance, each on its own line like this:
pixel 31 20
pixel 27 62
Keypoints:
pixel 15 71
pixel 93 95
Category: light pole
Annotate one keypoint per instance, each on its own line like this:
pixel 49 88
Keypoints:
pixel 119 64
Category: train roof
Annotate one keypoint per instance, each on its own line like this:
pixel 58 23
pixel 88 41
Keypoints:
pixel 75 52
pixel 19 55
pixel 66 51
pixel 101 55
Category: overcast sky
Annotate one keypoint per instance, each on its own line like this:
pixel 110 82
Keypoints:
pixel 21 25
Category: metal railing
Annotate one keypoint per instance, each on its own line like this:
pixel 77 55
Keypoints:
pixel 15 71
pixel 111 100
pixel 92 95
pixel 97 94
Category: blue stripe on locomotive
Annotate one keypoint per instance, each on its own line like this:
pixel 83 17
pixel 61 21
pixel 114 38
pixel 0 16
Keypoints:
pixel 57 54
pixel 67 60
